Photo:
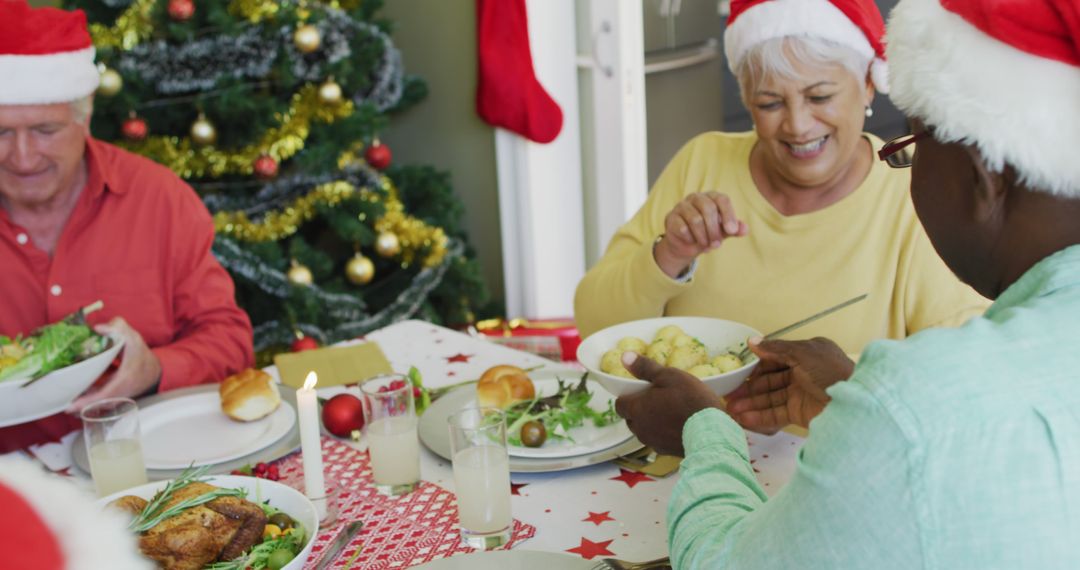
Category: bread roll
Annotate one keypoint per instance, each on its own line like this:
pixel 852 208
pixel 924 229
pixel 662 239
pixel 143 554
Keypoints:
pixel 249 395
pixel 503 386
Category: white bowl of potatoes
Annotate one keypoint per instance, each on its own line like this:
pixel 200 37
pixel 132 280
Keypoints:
pixel 704 347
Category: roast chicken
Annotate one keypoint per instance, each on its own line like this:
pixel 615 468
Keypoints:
pixel 219 530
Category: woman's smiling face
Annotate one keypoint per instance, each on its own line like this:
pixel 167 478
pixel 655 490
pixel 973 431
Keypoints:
pixel 809 128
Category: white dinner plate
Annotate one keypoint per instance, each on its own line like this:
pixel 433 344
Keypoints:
pixel 509 560
pixel 192 429
pixel 584 439
pixel 435 435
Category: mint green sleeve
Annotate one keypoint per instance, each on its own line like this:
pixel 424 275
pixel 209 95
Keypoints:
pixel 852 493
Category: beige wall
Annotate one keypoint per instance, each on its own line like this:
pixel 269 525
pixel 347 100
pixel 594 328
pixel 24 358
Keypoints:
pixel 437 39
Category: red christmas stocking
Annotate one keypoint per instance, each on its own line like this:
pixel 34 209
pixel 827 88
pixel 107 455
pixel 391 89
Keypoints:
pixel 508 94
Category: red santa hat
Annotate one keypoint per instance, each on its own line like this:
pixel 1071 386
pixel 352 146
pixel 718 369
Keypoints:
pixel 46 55
pixel 1003 75
pixel 856 24
pixel 50 524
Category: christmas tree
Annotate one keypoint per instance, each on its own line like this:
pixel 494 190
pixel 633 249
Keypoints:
pixel 271 110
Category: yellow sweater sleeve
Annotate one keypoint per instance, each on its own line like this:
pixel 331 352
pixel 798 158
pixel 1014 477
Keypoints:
pixel 627 284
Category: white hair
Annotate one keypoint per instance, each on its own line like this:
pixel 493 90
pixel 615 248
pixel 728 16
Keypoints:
pixel 777 57
pixel 81 109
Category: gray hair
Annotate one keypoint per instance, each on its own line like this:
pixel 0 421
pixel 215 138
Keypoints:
pixel 776 58
pixel 81 109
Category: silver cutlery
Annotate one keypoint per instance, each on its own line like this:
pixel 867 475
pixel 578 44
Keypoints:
pixel 745 352
pixel 339 543
pixel 616 564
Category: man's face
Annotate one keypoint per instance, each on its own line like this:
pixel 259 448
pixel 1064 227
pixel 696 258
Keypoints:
pixel 41 150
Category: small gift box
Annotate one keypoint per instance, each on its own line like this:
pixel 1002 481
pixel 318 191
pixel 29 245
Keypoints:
pixel 556 339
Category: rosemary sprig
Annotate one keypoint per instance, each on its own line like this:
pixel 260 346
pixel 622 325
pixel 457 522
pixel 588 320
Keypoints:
pixel 152 514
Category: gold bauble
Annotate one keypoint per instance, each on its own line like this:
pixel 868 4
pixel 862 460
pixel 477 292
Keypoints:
pixel 330 92
pixel 360 270
pixel 111 83
pixel 300 274
pixel 307 38
pixel 387 244
pixel 203 131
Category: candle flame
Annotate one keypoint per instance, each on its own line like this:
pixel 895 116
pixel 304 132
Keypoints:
pixel 311 380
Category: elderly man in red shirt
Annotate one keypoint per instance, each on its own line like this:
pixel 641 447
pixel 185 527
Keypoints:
pixel 82 220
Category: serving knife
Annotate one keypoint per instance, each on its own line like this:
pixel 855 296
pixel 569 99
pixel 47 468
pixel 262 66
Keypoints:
pixel 745 352
pixel 343 539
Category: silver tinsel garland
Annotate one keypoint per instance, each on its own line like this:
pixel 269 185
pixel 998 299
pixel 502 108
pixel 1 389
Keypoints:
pixel 199 64
pixel 277 194
pixel 406 305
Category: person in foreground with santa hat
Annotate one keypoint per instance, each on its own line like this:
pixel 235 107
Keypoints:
pixel 82 220
pixel 954 448
pixel 769 226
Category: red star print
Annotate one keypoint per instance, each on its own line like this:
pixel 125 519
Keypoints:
pixel 458 358
pixel 515 487
pixel 632 478
pixel 451 373
pixel 597 518
pixel 589 549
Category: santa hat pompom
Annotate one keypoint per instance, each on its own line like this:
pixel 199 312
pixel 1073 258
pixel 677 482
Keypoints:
pixel 1003 76
pixel 856 24
pixel 46 55
pixel 50 524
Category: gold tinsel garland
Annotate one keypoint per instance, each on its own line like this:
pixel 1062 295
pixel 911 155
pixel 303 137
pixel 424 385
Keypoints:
pixel 130 29
pixel 416 237
pixel 189 160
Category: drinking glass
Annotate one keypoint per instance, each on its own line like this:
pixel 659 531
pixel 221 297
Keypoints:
pixel 111 432
pixel 481 476
pixel 390 423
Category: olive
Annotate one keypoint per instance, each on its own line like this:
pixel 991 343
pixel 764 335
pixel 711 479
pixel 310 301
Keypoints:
pixel 282 520
pixel 533 434
pixel 279 558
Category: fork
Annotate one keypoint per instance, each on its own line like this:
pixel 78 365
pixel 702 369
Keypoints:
pixel 745 352
pixel 616 564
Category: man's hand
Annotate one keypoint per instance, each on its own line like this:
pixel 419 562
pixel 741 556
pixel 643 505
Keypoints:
pixel 788 387
pixel 139 368
pixel 697 224
pixel 656 415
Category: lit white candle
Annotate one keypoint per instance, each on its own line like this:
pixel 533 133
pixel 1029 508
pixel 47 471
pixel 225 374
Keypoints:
pixel 310 443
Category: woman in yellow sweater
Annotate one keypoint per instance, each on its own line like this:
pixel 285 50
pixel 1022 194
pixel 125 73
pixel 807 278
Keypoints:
pixel 769 226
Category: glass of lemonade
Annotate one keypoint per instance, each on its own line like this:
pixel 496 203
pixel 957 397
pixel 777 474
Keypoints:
pixel 481 476
pixel 390 424
pixel 111 432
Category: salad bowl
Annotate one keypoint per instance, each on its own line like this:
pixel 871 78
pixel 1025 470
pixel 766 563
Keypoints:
pixel 718 335
pixel 21 402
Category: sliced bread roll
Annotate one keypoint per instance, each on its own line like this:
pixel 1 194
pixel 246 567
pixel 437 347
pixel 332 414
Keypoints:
pixel 249 395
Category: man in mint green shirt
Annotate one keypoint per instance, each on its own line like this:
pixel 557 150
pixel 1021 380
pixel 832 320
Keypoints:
pixel 954 448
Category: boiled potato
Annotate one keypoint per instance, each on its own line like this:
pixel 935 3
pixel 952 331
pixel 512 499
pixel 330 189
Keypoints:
pixel 726 362
pixel 668 333
pixel 704 370
pixel 659 351
pixel 685 358
pixel 685 340
pixel 632 344
pixel 611 363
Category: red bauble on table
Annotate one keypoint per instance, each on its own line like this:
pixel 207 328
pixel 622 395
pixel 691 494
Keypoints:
pixel 303 343
pixel 343 414
pixel 181 10
pixel 378 155
pixel 265 167
pixel 134 128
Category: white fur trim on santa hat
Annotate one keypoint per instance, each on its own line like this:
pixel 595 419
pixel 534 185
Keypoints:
pixel 803 18
pixel 1016 107
pixel 51 78
pixel 90 538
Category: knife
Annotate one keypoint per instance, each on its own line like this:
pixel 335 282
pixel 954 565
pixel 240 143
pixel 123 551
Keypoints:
pixel 339 543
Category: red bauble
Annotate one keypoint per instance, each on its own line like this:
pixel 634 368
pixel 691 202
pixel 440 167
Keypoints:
pixel 377 155
pixel 304 343
pixel 265 167
pixel 134 129
pixel 181 10
pixel 343 414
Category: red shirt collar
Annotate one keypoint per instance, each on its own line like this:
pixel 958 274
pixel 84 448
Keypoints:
pixel 97 176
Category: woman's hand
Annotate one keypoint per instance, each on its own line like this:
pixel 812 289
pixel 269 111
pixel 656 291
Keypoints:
pixel 788 386
pixel 656 415
pixel 699 223
pixel 138 372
